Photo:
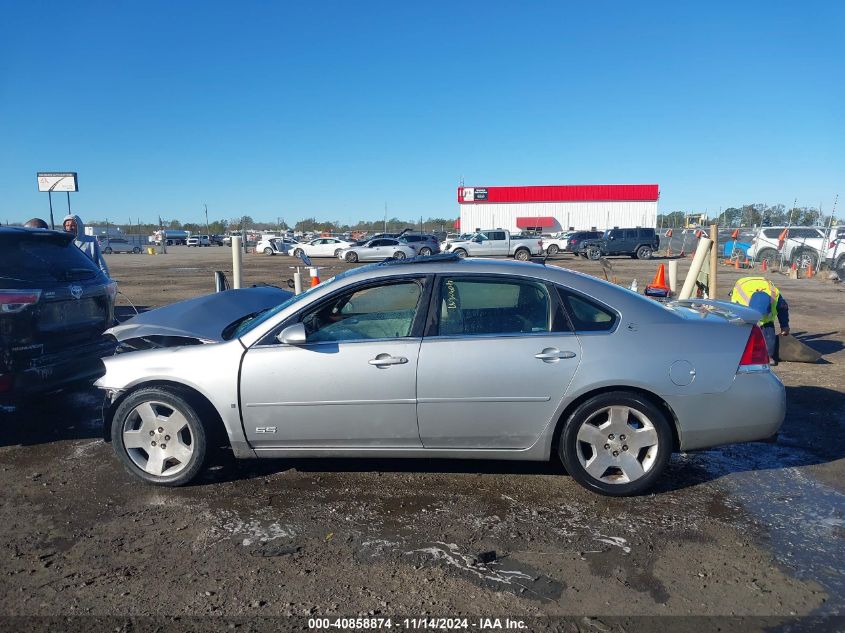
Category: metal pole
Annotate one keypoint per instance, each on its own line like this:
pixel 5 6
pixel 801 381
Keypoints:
pixel 207 232
pixel 50 197
pixel 236 261
pixel 68 203
pixel 714 261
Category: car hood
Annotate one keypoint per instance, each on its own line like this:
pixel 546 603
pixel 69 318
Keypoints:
pixel 203 317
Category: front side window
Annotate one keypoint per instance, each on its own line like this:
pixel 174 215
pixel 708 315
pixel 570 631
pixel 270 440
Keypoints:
pixel 493 306
pixel 376 312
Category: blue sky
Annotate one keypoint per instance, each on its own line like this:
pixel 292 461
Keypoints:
pixel 333 109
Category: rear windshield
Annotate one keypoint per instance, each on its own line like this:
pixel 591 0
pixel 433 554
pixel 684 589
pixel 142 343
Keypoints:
pixel 42 259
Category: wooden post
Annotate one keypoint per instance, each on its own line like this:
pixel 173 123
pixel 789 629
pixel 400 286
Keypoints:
pixel 714 261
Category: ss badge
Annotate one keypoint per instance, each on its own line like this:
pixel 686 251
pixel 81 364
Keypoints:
pixel 265 429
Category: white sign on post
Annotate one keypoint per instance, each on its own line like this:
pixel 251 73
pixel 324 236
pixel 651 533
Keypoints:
pixel 57 181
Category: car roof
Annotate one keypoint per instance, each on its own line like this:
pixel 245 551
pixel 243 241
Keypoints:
pixel 24 232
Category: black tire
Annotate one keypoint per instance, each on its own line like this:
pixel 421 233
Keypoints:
pixel 460 252
pixel 839 267
pixel 107 250
pixel 644 252
pixel 571 449
pixel 175 400
pixel 337 253
pixel 297 252
pixel 770 255
pixel 398 255
pixel 553 249
pixel 805 257
pixel 425 251
pixel 594 254
pixel 268 251
pixel 136 250
pixel 522 254
pixel 352 257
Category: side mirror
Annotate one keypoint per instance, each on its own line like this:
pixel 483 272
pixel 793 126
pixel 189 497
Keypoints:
pixel 292 335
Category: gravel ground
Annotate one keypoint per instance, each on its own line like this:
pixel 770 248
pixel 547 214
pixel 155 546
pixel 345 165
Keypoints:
pixel 751 530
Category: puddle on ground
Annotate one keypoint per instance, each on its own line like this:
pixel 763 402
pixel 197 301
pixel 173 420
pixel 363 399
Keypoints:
pixel 803 518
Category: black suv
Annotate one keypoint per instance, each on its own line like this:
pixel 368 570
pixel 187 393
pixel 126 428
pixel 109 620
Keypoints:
pixel 639 243
pixel 55 304
pixel 573 241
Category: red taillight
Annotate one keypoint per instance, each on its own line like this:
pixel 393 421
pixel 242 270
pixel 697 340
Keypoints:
pixel 12 301
pixel 5 383
pixel 572 241
pixel 756 353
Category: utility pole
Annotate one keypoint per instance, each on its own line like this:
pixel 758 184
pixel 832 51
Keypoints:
pixel 207 232
pixel 385 217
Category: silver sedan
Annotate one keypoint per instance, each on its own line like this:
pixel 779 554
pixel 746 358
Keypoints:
pixel 447 358
pixel 377 250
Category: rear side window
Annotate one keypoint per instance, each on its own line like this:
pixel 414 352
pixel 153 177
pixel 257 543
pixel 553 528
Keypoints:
pixel 42 259
pixel 494 306
pixel 646 233
pixel 586 315
pixel 772 233
pixel 631 234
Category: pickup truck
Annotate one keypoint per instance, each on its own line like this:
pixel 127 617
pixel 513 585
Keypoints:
pixel 492 242
pixel 636 242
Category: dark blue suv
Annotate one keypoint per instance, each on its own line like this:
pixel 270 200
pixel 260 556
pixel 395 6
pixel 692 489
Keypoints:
pixel 638 242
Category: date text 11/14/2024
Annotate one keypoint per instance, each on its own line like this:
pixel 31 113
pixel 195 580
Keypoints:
pixel 417 624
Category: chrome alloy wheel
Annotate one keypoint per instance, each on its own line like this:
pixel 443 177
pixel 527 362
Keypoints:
pixel 158 439
pixel 617 445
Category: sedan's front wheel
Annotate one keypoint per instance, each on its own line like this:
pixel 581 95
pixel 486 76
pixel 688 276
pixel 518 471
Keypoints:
pixel 398 255
pixel 159 437
pixel 616 444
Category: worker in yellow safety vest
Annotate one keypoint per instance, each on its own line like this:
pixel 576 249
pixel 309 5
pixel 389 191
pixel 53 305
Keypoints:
pixel 760 294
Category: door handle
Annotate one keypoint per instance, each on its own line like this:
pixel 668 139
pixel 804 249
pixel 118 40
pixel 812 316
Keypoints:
pixel 551 354
pixel 387 359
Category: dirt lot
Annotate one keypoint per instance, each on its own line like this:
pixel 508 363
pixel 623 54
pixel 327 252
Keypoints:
pixel 754 530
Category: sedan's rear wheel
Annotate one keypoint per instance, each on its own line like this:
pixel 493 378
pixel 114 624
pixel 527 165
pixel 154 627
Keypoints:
pixel 425 251
pixel 337 253
pixel 352 257
pixel 616 444
pixel 268 251
pixel 398 255
pixel 159 437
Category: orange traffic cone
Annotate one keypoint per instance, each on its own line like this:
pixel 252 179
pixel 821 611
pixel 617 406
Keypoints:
pixel 315 277
pixel 659 280
pixel 810 271
pixel 764 266
pixel 658 287
pixel 736 263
